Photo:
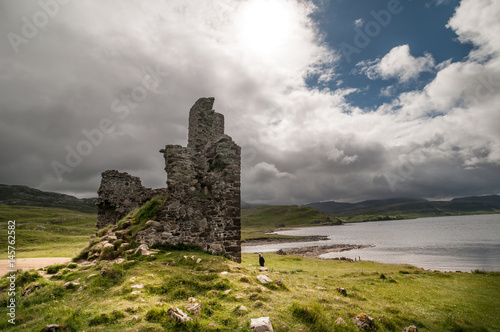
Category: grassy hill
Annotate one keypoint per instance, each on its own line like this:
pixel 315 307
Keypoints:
pixel 420 209
pixel 26 196
pixel 256 221
pixel 401 208
pixel 306 299
pixel 46 232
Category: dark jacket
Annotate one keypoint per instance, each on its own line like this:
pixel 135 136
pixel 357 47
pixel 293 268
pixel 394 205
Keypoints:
pixel 261 260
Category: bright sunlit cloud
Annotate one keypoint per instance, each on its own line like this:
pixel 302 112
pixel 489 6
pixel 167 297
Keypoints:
pixel 265 27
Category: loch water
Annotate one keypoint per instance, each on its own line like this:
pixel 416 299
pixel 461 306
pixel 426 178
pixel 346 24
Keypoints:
pixel 453 243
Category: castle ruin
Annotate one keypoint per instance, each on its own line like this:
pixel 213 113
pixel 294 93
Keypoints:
pixel 203 202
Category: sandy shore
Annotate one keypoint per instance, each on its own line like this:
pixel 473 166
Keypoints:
pixel 32 263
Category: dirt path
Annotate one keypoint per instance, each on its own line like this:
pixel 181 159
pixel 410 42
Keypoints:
pixel 32 263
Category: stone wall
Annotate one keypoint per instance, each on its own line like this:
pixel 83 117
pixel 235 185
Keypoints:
pixel 119 194
pixel 203 189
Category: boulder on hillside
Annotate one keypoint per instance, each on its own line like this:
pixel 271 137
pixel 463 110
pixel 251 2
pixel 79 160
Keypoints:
pixel 264 279
pixel 261 324
pixel 178 315
pixel 193 306
pixel 52 328
pixel 364 322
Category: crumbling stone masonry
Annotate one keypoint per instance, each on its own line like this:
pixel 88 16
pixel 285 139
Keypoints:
pixel 203 189
pixel 119 194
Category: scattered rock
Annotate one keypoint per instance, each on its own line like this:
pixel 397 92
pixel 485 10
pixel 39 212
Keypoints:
pixel 138 286
pixel 364 322
pixel 198 260
pixel 119 260
pixel 278 283
pixel 281 252
pixel 105 271
pixel 320 288
pixel 261 324
pixel 91 275
pixel 343 259
pixel 136 292
pixel 341 290
pixel 224 272
pixel 100 245
pixel 178 315
pixel 411 328
pixel 52 328
pixel 227 291
pixel 143 250
pixel 121 232
pixel 132 279
pixel 340 321
pixel 193 306
pixel 263 269
pixel 124 244
pixel 264 279
pixel 238 296
pixel 154 224
pixel 241 308
pixel 71 284
pixel 110 238
pixel 30 289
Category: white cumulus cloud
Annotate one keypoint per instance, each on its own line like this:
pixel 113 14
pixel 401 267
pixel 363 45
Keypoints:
pixel 398 64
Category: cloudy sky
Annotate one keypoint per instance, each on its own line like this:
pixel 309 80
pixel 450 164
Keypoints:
pixel 330 99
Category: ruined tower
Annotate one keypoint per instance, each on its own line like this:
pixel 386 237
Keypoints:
pixel 203 189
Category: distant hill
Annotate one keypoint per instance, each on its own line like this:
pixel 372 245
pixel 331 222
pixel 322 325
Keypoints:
pixel 335 207
pixel 410 208
pixel 381 209
pixel 487 198
pixel 23 195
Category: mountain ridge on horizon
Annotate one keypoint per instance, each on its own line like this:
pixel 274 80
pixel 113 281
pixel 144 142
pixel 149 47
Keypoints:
pixel 25 195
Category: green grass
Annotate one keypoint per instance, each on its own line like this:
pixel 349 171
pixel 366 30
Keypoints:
pixel 46 232
pixel 396 296
pixel 256 221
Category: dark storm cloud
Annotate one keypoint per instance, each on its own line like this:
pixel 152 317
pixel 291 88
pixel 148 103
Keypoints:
pixel 105 85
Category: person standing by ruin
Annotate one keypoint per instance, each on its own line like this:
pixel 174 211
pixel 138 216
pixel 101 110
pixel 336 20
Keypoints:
pixel 261 259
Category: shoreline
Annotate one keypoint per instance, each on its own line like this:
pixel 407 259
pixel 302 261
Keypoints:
pixel 309 251
pixel 278 240
pixel 316 251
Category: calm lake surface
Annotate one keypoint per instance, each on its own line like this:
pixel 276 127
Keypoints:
pixel 458 243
